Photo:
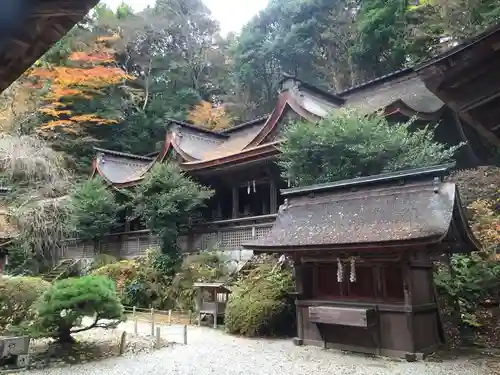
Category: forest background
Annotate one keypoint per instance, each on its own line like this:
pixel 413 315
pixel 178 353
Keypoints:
pixel 117 77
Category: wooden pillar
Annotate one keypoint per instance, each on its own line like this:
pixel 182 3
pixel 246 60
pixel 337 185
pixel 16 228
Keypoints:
pixel 299 288
pixel 198 303
pixel 236 200
pixel 216 307
pixel 408 304
pixel 273 193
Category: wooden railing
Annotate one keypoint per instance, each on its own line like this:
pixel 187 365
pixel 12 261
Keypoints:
pixel 222 235
pixel 122 245
pixel 228 235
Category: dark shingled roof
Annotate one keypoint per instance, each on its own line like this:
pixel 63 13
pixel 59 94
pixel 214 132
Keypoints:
pixel 201 148
pixel 28 28
pixel 120 169
pixel 408 89
pixel 392 208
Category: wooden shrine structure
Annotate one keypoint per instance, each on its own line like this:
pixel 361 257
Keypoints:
pixel 239 162
pixel 467 79
pixel 362 251
pixel 28 28
pixel 211 299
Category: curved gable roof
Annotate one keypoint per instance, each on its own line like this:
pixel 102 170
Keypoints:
pixel 198 148
pixel 403 90
pixel 119 168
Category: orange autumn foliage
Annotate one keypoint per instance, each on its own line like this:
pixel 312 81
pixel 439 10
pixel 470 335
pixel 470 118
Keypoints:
pixel 485 223
pixel 207 116
pixel 93 75
pixel 91 57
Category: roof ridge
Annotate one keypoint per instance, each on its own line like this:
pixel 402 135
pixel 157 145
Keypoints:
pixel 124 154
pixel 309 86
pixel 396 73
pixel 245 124
pixel 439 170
pixel 195 128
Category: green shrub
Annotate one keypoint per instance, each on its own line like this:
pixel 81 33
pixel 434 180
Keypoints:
pixel 66 302
pixel 17 295
pixel 350 144
pixel 157 280
pixel 260 304
pixel 120 272
pixel 142 282
pixel 475 277
pixel 162 264
pixel 203 267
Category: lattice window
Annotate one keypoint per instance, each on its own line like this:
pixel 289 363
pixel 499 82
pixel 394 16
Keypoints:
pixel 207 240
pixel 144 244
pixel 104 246
pixel 131 247
pixel 88 250
pixel 262 231
pixel 69 249
pixel 154 241
pixel 232 240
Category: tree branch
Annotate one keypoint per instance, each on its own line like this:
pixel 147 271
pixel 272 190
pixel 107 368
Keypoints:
pixel 93 325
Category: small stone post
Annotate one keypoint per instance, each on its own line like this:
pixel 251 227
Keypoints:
pixel 152 321
pixel 169 317
pixel 123 340
pixel 158 338
pixel 185 335
pixel 135 326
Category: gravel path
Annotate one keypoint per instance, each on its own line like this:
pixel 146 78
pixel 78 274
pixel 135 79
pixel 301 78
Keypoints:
pixel 214 352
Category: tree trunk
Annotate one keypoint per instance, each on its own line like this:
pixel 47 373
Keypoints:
pixel 64 336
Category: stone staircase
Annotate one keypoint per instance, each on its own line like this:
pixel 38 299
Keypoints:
pixel 60 270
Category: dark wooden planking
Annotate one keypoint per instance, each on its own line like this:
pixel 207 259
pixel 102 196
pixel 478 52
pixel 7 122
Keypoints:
pixel 39 26
pixel 467 80
pixel 345 316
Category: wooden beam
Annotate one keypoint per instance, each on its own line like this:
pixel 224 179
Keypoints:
pixel 62 8
pixel 466 116
pixel 474 71
pixel 488 134
pixel 479 102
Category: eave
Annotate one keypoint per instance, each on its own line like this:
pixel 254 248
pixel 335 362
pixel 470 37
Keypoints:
pixel 372 214
pixel 30 28
pixel 467 79
pixel 249 154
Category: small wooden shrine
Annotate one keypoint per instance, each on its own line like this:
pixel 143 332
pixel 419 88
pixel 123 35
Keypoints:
pixel 211 299
pixel 362 251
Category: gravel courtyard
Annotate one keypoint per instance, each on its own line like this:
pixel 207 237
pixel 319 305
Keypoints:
pixel 214 352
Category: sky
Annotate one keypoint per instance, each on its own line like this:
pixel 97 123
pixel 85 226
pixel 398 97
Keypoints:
pixel 231 14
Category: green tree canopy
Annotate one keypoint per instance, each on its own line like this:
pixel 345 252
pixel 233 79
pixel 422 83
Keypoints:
pixel 350 144
pixel 166 199
pixel 93 209
pixel 67 301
